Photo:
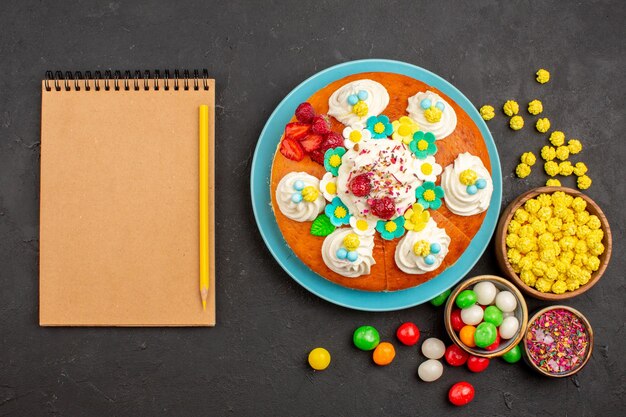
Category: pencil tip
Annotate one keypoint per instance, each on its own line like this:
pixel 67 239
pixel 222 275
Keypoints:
pixel 204 305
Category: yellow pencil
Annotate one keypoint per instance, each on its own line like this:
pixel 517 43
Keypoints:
pixel 203 181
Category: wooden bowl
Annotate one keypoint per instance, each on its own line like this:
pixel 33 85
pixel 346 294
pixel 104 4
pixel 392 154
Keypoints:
pixel 521 312
pixel 589 350
pixel 501 249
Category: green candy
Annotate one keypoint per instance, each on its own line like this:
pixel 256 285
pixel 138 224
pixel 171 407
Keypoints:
pixel 485 334
pixel 441 298
pixel 513 355
pixel 466 299
pixel 493 315
pixel 366 338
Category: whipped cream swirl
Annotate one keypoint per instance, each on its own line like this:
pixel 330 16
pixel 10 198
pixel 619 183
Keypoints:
pixel 362 265
pixel 457 199
pixel 409 262
pixel 339 107
pixel 304 211
pixel 391 168
pixel 440 129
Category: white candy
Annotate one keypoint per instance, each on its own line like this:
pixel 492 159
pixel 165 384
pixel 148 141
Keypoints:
pixel 485 293
pixel 509 327
pixel 472 315
pixel 506 301
pixel 430 370
pixel 433 348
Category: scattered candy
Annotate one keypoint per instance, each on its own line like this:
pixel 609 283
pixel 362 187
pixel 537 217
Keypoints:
pixel 319 359
pixel 455 320
pixel 408 334
pixel 485 334
pixel 433 348
pixel 430 370
pixel 543 76
pixel 506 301
pixel 509 327
pixel 557 138
pixel 522 170
pixel 461 393
pixel 455 356
pixel 516 122
pixel 513 355
pixel 485 292
pixel 535 107
pixel 553 182
pixel 583 182
pixel 383 354
pixel 510 108
pixel 493 315
pixel 465 299
pixel 366 338
pixel 557 341
pixel 495 345
pixel 472 315
pixel 441 298
pixel 477 364
pixel 467 335
pixel 543 125
pixel 487 112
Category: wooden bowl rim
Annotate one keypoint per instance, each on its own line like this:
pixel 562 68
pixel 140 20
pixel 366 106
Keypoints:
pixel 520 301
pixel 582 318
pixel 501 242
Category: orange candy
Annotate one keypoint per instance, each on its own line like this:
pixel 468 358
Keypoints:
pixel 467 335
pixel 384 354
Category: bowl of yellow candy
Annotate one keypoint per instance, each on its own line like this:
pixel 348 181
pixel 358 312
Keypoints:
pixel 554 243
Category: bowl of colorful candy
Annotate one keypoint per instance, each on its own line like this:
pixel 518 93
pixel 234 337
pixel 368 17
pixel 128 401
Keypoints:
pixel 554 243
pixel 558 341
pixel 486 316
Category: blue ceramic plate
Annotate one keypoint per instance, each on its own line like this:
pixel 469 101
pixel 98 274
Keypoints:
pixel 261 201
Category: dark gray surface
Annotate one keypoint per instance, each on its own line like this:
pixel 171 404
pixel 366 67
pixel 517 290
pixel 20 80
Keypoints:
pixel 253 362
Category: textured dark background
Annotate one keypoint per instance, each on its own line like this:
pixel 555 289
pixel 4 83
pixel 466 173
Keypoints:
pixel 253 362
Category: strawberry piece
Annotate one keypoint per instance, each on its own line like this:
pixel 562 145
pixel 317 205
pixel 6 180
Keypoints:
pixel 331 141
pixel 361 185
pixel 291 149
pixel 305 113
pixel 384 207
pixel 317 156
pixel 297 130
pixel 311 142
pixel 321 124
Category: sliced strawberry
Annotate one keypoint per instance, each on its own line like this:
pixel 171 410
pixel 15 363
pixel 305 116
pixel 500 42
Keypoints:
pixel 305 113
pixel 317 156
pixel 297 130
pixel 291 149
pixel 311 142
pixel 321 124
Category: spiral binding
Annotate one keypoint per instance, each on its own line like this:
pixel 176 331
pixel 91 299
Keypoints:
pixel 128 81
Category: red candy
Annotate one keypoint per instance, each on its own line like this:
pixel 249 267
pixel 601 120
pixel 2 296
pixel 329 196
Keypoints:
pixel 455 320
pixel 455 356
pixel 408 334
pixel 495 344
pixel 477 364
pixel 461 393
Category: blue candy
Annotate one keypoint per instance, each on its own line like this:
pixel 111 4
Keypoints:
pixel 353 255
pixel 440 105
pixel 353 99
pixel 342 253
pixel 472 189
pixel 296 197
pixel 429 259
pixel 481 183
pixel 435 248
pixel 363 95
pixel 298 185
pixel 426 103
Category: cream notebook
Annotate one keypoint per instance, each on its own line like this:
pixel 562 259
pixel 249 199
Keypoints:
pixel 119 200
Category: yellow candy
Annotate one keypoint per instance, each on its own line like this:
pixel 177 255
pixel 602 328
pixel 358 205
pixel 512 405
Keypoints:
pixel 559 287
pixel 583 182
pixel 526 231
pixel 535 107
pixel 544 213
pixel 514 226
pixel 538 226
pixel 554 224
pixel 574 272
pixel 421 248
pixel 528 158
pixel 574 146
pixel 566 168
pixel 468 177
pixel 433 114
pixel 487 112
pixel 528 277
pixel 510 108
pixel 593 262
pixel 360 109
pixel 580 259
pixel 594 222
pixel 567 243
pixel 557 138
pixel 569 216
pixel 532 205
pixel 597 249
pixel 545 200
pixel 567 256
pixel 310 193
pixel 522 170
pixel 558 236
pixel 539 268
pixel 580 168
pixel 596 235
pixel 524 245
pixel 547 255
pixel 560 266
pixel 319 359
pixel 548 153
pixel 514 255
pixel 562 153
pixel 579 204
pixel 351 241
pixel 545 240
pixel 543 76
pixel 543 285
pixel 551 168
pixel 543 125
pixel 582 217
pixel 585 276
pixel 516 122
pixel 558 198
pixel 525 263
pixel 580 247
pixel 511 240
pixel 572 284
pixel 532 256
pixel 521 215
pixel 553 182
